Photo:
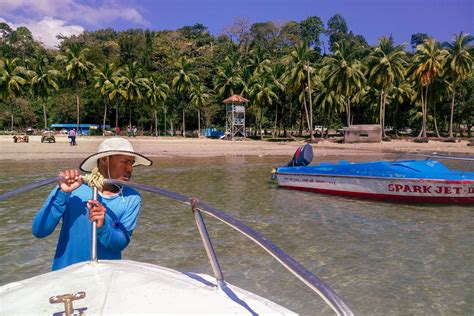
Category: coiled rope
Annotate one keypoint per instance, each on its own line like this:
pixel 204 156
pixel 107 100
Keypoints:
pixel 94 179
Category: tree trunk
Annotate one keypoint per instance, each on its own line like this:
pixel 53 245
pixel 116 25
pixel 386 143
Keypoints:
pixel 116 114
pixel 310 105
pixel 166 132
pixel 348 111
pixel 105 117
pixel 77 108
pixel 130 115
pixel 382 112
pixel 452 115
pixel 44 115
pixel 199 122
pixel 171 126
pixel 276 119
pixel 300 132
pixel 156 123
pixel 306 111
pixel 260 123
pixel 184 125
pixel 424 103
pixel 435 121
pixel 11 113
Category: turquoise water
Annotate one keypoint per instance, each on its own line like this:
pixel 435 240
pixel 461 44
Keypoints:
pixel 382 258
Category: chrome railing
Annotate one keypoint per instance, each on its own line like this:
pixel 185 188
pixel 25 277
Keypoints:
pixel 311 280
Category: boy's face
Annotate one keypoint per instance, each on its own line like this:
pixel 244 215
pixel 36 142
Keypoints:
pixel 119 166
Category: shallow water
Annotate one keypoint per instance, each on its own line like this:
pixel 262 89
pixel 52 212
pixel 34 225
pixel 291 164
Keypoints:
pixel 382 258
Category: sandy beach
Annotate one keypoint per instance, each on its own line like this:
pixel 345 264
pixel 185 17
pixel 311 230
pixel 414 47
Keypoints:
pixel 203 147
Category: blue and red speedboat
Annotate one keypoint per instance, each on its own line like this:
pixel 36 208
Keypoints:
pixel 427 181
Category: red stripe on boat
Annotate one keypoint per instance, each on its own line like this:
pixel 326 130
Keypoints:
pixel 387 197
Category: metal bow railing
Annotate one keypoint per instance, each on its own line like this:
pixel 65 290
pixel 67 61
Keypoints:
pixel 311 280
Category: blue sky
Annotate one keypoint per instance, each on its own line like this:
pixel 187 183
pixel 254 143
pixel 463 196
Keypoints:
pixel 370 18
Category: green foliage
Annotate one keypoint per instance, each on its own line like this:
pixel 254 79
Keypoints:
pixel 417 39
pixel 153 79
pixel 310 30
pixel 336 29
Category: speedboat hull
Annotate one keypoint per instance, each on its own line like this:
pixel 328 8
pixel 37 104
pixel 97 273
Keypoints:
pixel 128 287
pixel 405 181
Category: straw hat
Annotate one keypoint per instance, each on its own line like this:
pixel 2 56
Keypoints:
pixel 114 146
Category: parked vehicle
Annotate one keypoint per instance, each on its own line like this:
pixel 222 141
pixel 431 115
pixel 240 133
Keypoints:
pixel 405 131
pixel 30 130
pixel 388 129
pixel 48 136
pixel 319 128
pixel 21 139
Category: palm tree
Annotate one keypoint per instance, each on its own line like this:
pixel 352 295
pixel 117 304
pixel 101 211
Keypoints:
pixel 329 102
pixel 228 79
pixel 199 98
pixel 344 73
pixel 387 67
pixel 156 94
pixel 42 81
pixel 182 83
pixel 116 91
pixel 263 94
pixel 299 77
pixel 276 77
pixel 104 82
pixel 77 69
pixel 133 83
pixel 459 66
pixel 428 63
pixel 12 77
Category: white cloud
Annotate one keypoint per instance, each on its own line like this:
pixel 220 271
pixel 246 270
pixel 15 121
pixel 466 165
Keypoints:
pixel 70 10
pixel 48 18
pixel 47 29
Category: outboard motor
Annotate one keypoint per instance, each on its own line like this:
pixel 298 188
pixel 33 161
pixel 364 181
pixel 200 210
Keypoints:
pixel 302 157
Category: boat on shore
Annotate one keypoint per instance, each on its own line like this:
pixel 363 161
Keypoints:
pixel 127 287
pixel 423 181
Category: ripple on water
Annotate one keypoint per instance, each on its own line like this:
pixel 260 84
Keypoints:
pixel 384 259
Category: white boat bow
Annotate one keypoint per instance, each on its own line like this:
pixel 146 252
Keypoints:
pixel 123 286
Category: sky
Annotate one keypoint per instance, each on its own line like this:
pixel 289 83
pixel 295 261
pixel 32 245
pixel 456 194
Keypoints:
pixel 369 18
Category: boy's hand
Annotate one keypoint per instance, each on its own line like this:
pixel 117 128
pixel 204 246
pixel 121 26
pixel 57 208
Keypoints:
pixel 96 212
pixel 72 180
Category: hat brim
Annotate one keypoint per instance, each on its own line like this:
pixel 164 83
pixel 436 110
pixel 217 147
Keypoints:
pixel 91 162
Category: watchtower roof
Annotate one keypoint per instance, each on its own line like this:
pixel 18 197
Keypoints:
pixel 235 99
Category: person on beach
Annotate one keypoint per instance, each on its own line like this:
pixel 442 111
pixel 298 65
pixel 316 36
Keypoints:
pixel 72 136
pixel 116 209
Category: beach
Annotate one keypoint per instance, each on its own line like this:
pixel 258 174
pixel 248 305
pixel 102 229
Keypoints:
pixel 162 147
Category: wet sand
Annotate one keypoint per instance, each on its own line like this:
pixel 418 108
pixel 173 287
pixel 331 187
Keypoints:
pixel 203 147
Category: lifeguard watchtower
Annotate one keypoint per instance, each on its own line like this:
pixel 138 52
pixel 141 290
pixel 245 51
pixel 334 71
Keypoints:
pixel 235 116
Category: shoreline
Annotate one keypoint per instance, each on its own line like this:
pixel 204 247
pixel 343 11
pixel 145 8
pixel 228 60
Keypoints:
pixel 170 147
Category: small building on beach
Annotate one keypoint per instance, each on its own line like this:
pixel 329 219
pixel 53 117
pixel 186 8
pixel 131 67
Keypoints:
pixel 84 129
pixel 363 134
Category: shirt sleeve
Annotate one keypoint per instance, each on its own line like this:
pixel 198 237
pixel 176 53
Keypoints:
pixel 115 234
pixel 50 214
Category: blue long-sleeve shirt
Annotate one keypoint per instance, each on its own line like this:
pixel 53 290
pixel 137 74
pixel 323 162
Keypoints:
pixel 74 244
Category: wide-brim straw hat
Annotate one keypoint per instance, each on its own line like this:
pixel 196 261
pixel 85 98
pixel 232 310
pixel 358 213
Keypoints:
pixel 114 146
